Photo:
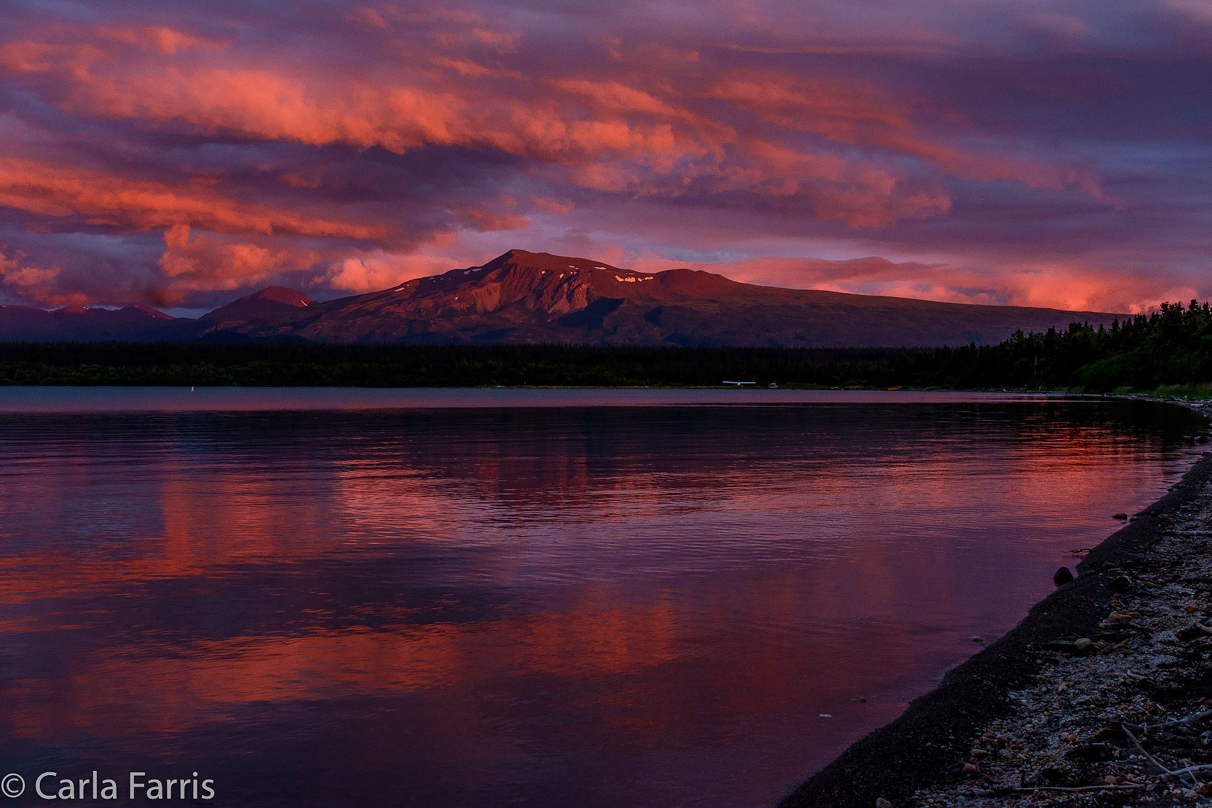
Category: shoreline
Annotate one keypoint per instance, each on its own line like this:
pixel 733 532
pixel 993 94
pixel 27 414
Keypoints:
pixel 933 755
pixel 42 399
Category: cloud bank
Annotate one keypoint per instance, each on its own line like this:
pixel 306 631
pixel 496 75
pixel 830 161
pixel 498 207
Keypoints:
pixel 1054 153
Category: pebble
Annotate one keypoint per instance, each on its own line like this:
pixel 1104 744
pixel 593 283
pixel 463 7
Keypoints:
pixel 882 803
pixel 1060 645
pixel 1062 576
pixel 1083 643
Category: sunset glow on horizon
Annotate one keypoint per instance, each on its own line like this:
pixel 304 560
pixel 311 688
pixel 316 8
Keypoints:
pixel 1055 153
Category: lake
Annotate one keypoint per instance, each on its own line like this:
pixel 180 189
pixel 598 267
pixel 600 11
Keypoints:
pixel 523 597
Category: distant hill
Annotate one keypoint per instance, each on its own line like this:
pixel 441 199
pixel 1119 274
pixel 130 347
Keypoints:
pixel 82 324
pixel 537 298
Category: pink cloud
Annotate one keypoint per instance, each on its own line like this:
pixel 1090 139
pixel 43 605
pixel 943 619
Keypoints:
pixel 375 270
pixel 344 146
pixel 60 191
pixel 15 272
pixel 34 284
pixel 202 262
pixel 648 134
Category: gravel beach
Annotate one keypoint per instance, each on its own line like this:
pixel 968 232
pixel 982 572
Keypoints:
pixel 1101 696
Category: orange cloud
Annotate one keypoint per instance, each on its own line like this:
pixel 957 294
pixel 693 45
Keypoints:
pixel 29 277
pixel 102 199
pixel 645 136
pixel 371 271
pixel 13 271
pixel 33 283
pixel 208 263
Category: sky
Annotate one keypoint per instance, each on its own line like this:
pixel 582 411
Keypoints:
pixel 1035 152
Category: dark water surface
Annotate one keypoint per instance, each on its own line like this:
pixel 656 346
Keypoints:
pixel 592 604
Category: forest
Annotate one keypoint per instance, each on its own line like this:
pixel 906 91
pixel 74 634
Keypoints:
pixel 1167 351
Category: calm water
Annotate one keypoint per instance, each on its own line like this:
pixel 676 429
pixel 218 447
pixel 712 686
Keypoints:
pixel 549 598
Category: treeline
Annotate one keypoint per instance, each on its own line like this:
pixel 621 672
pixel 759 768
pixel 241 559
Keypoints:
pixel 1170 348
pixel 259 364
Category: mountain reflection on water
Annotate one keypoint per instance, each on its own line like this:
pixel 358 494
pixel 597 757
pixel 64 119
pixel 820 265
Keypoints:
pixel 597 606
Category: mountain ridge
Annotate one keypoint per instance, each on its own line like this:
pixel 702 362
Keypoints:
pixel 521 297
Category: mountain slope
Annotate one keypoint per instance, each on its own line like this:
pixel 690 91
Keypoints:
pixel 523 297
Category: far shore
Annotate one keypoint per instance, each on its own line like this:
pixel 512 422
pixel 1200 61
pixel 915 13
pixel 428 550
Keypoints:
pixel 106 398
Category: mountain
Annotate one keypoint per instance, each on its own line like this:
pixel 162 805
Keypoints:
pixel 81 324
pixel 268 305
pixel 523 297
pixel 144 324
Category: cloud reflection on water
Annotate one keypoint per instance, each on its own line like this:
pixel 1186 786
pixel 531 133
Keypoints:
pixel 631 605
